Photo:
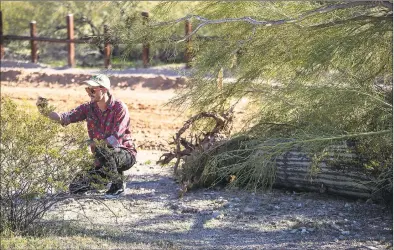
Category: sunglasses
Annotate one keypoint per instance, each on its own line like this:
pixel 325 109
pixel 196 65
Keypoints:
pixel 92 90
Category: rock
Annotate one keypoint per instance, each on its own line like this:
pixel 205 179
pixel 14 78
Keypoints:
pixel 249 210
pixel 311 229
pixel 220 200
pixel 293 231
pixel 345 232
pixel 336 227
pixel 227 205
pixel 303 231
pixel 69 201
pixel 216 215
pixel 341 237
pixel 174 206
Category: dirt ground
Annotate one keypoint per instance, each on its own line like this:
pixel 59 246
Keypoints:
pixel 151 215
pixel 152 123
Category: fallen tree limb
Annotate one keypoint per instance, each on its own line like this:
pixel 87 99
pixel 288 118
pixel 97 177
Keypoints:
pixel 222 123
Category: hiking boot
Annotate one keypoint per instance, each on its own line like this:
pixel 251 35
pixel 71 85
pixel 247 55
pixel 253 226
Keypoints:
pixel 115 190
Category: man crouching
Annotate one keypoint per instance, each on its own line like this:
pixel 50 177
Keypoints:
pixel 108 122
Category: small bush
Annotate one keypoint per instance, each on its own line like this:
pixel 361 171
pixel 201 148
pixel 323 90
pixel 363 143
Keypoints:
pixel 38 160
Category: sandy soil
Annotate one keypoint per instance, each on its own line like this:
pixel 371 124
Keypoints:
pixel 152 215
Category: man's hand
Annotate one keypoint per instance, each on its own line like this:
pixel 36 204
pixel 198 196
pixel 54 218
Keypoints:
pixel 45 109
pixel 42 105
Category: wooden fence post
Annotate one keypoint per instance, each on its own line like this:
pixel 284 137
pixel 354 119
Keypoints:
pixel 188 50
pixel 107 47
pixel 1 36
pixel 70 45
pixel 145 45
pixel 33 33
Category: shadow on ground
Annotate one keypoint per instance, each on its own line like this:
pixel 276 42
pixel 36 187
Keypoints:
pixel 152 213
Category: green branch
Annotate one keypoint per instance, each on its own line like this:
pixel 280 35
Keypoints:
pixel 332 138
pixel 252 21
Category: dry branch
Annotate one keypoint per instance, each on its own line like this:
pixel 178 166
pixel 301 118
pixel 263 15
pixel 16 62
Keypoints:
pixel 222 123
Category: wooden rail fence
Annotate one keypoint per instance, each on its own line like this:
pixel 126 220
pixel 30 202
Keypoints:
pixel 71 41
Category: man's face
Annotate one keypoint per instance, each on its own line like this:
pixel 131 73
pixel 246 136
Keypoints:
pixel 95 93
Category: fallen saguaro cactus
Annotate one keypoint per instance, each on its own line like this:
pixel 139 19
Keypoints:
pixel 336 174
pixel 212 158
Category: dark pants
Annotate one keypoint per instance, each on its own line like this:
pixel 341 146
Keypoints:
pixel 112 164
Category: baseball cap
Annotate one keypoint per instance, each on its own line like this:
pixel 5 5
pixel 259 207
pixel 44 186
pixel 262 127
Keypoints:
pixel 99 80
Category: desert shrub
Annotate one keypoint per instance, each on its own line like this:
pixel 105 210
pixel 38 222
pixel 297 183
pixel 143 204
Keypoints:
pixel 38 160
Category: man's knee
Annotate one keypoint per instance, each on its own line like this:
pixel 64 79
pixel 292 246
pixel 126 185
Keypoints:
pixel 130 160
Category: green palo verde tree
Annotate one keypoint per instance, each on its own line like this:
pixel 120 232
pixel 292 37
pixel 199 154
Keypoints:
pixel 313 74
pixel 39 158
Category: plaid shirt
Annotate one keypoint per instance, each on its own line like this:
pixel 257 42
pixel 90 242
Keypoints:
pixel 111 125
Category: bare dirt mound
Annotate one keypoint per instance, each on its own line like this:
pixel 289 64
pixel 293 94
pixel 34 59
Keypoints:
pixel 125 80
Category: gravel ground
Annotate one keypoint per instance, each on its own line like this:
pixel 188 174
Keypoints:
pixel 151 215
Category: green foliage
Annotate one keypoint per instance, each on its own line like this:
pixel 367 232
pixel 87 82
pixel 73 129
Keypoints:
pixel 38 160
pixel 313 74
pixel 214 166
pixel 89 20
pixel 18 15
